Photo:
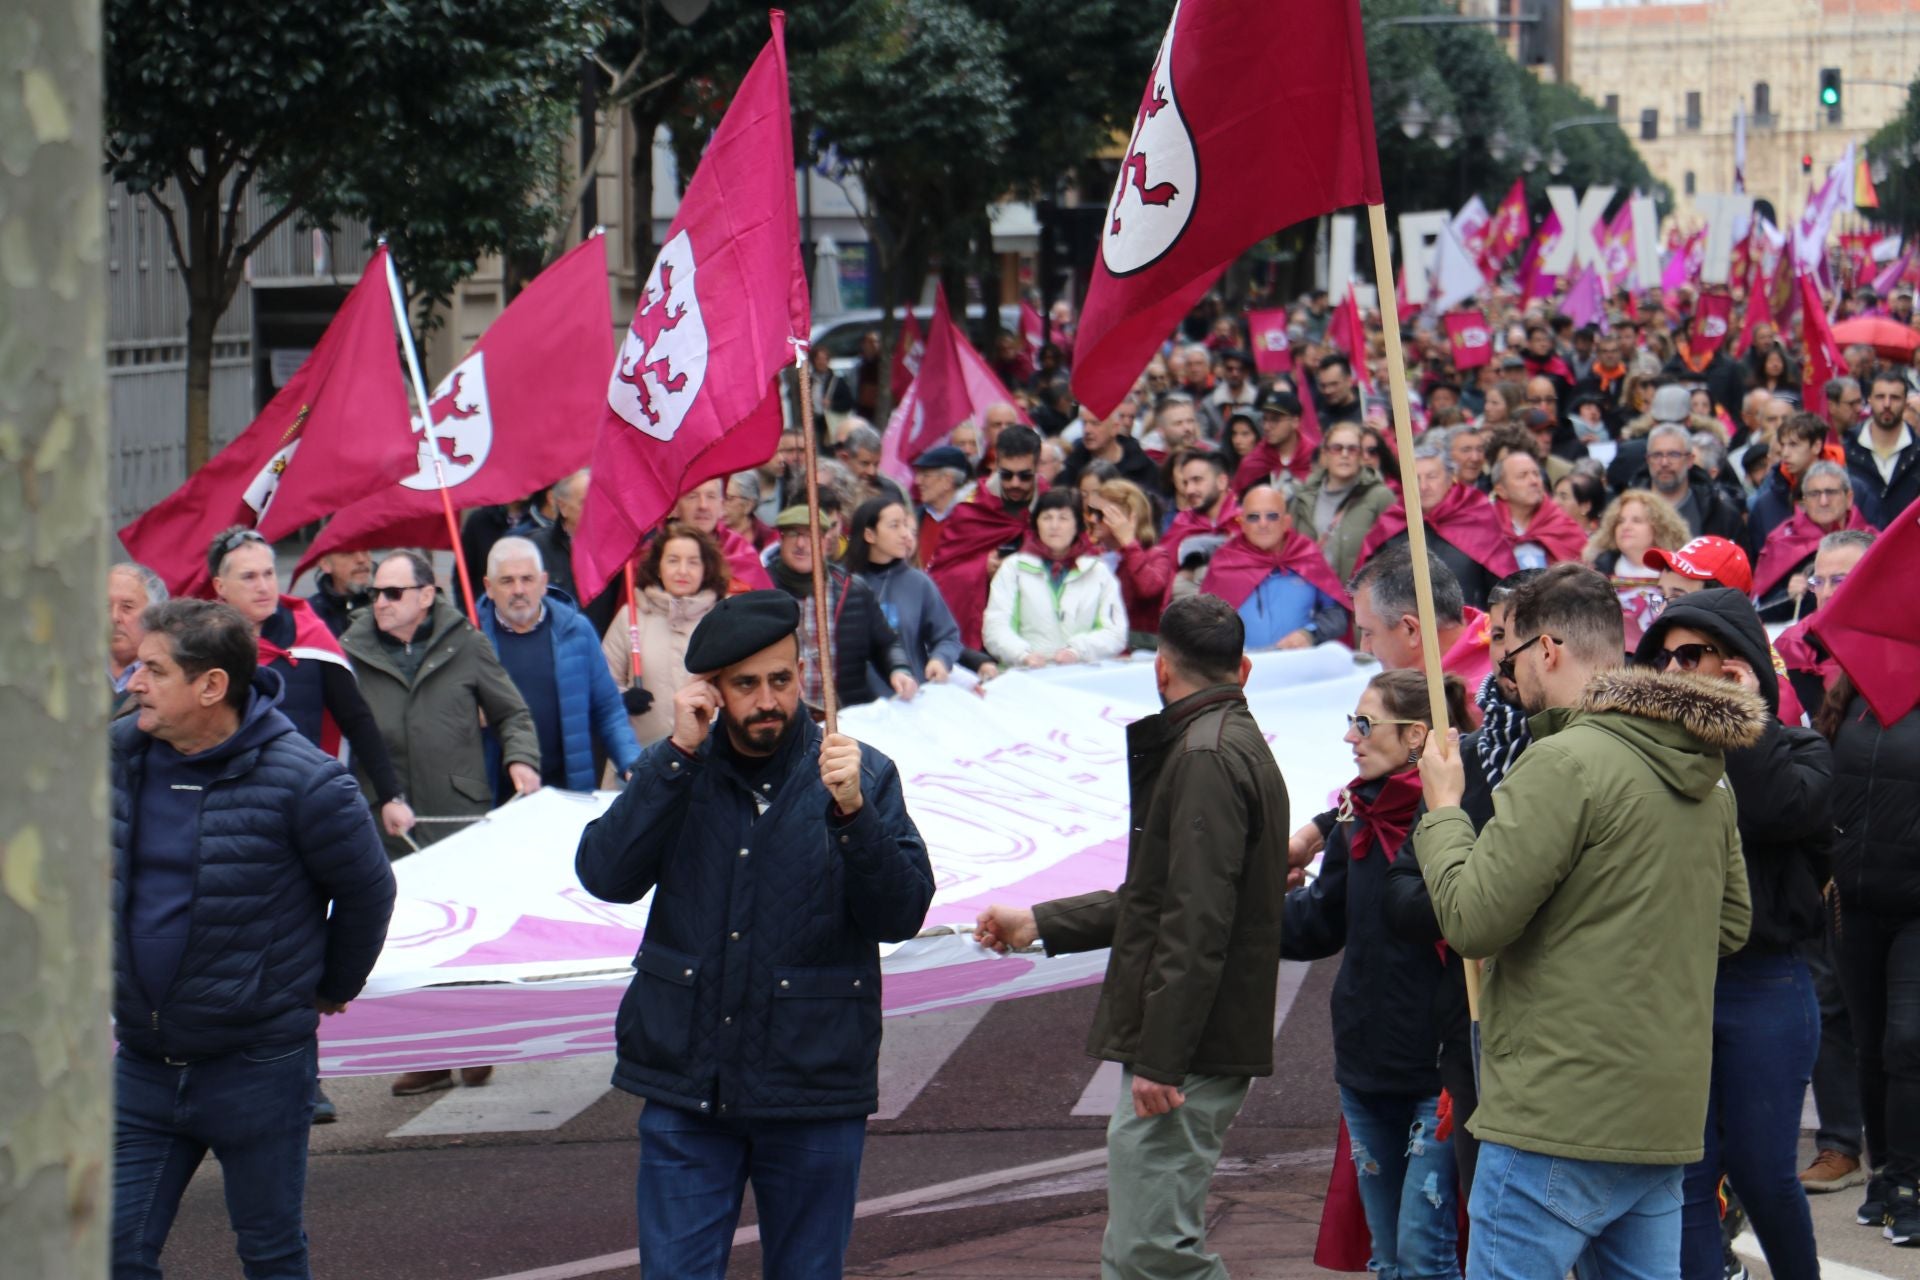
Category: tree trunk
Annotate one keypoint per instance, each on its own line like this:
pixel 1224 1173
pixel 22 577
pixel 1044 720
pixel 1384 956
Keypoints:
pixel 204 272
pixel 202 315
pixel 56 1184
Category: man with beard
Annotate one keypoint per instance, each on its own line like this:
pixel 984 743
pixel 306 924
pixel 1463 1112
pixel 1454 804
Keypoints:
pixel 341 590
pixel 979 533
pixel 1336 396
pixel 1284 455
pixel 1883 454
pixel 1209 517
pixel 752 1025
pixel 1594 1084
pixel 1673 474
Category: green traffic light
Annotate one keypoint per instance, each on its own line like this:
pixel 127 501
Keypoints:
pixel 1829 96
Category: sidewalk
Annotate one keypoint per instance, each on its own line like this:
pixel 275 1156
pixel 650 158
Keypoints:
pixel 1259 1234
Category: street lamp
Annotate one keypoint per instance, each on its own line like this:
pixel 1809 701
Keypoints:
pixel 1413 116
pixel 1499 144
pixel 1556 161
pixel 1446 130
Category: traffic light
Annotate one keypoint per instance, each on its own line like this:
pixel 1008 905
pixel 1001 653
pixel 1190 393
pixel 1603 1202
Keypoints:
pixel 1830 91
pixel 1806 163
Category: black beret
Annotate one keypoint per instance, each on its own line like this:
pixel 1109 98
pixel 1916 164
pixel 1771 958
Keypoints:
pixel 739 627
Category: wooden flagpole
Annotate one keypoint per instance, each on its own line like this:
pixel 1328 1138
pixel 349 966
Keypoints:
pixel 1416 520
pixel 633 625
pixel 419 385
pixel 820 623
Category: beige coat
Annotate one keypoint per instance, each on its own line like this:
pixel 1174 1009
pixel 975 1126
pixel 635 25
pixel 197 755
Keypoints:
pixel 666 624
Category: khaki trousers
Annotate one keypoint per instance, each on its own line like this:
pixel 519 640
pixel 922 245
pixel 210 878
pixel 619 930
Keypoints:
pixel 1158 1171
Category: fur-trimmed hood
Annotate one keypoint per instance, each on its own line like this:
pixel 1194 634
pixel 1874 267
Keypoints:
pixel 1679 725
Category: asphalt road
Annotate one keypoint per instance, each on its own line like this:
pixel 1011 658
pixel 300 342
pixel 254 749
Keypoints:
pixel 995 1122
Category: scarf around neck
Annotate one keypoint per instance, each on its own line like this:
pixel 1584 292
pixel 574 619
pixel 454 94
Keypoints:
pixel 1385 817
pixel 1503 732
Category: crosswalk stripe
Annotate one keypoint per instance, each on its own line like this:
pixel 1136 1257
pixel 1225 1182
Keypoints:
pixel 915 1047
pixel 522 1098
pixel 1747 1245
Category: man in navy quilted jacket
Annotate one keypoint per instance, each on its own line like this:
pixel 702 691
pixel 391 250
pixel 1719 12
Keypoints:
pixel 232 836
pixel 779 858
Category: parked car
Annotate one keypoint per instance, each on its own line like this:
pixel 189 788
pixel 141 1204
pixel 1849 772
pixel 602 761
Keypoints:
pixel 841 334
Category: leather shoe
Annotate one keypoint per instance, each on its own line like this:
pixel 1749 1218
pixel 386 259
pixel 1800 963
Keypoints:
pixel 474 1077
pixel 422 1082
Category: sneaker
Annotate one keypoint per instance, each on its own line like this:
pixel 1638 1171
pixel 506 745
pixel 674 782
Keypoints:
pixel 1903 1215
pixel 1873 1210
pixel 1832 1171
pixel 422 1082
pixel 324 1112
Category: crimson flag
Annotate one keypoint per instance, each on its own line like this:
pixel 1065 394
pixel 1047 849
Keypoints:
pixel 909 349
pixel 1712 318
pixel 1255 116
pixel 693 394
pixel 1507 230
pixel 955 383
pixel 337 430
pixel 1824 361
pixel 1872 624
pixel 1347 332
pixel 1272 348
pixel 1032 328
pixel 514 416
pixel 1470 338
pixel 1759 307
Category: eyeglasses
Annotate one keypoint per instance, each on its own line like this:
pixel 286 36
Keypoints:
pixel 1344 450
pixel 1686 656
pixel 1826 582
pixel 1668 455
pixel 1007 474
pixel 1546 400
pixel 1506 664
pixel 393 595
pixel 1823 495
pixel 1363 725
pixel 1270 517
pixel 236 538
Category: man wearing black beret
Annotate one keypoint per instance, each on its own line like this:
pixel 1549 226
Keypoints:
pixel 779 858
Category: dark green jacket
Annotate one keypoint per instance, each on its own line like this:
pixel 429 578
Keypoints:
pixel 1195 927
pixel 432 721
pixel 1359 511
pixel 1605 890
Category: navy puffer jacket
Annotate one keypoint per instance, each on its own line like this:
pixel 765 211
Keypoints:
pixel 757 991
pixel 283 833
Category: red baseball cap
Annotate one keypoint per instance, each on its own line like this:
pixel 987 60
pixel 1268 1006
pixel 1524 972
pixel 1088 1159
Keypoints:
pixel 1706 559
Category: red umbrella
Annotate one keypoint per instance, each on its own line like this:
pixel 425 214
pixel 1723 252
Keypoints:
pixel 1889 339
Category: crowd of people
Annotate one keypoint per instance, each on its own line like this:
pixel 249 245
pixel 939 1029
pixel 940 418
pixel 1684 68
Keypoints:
pixel 1699 496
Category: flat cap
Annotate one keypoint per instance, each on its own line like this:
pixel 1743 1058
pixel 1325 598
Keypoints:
pixel 739 627
pixel 794 517
pixel 941 456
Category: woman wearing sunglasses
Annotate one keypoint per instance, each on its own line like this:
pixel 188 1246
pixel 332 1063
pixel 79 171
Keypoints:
pixel 1392 987
pixel 1766 1015
pixel 1341 499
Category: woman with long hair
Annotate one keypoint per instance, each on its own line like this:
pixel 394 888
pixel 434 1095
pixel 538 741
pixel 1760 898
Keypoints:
pixel 1583 496
pixel 880 541
pixel 1113 501
pixel 1633 524
pixel 1876 881
pixel 1386 1036
pixel 683 575
pixel 1505 400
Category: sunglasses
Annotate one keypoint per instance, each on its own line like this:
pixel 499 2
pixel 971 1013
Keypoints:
pixel 1363 725
pixel 1006 474
pixel 1506 664
pixel 1686 656
pixel 394 595
pixel 239 537
pixel 1269 517
pixel 1343 450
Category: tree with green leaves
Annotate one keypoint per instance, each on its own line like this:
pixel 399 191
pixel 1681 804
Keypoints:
pixel 443 125
pixel 1896 144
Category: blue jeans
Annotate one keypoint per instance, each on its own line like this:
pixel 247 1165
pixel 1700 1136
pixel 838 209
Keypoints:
pixel 1766 1034
pixel 1537 1217
pixel 253 1110
pixel 1407 1184
pixel 693 1176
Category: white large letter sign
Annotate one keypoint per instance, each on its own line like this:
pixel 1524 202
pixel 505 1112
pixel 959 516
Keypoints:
pixel 1580 224
pixel 1419 239
pixel 1646 243
pixel 1340 239
pixel 1724 216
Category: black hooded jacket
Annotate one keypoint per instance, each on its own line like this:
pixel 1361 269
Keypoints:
pixel 1782 784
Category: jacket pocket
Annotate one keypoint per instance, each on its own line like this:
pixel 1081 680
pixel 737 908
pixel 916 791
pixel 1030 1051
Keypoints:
pixel 474 789
pixel 655 1022
pixel 825 1029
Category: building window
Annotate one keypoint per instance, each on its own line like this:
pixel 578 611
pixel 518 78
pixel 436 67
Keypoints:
pixel 1693 111
pixel 1612 106
pixel 1688 182
pixel 1762 104
pixel 1650 125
